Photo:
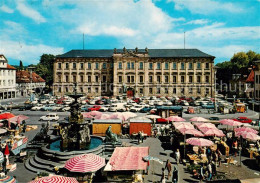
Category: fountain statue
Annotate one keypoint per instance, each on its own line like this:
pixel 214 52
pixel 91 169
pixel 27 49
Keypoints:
pixel 75 133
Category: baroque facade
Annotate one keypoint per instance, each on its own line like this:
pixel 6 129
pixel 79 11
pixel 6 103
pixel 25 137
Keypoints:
pixel 141 72
pixel 7 79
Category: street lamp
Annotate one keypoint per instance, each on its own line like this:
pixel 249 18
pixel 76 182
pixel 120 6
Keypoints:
pixel 215 88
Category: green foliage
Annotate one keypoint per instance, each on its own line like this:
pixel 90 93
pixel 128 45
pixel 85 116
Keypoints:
pixel 45 68
pixel 21 66
pixel 240 60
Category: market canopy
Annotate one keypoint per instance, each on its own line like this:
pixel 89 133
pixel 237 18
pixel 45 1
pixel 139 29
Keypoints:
pixel 175 118
pixel 199 119
pixel 55 179
pixel 127 158
pixel 230 122
pixel 199 142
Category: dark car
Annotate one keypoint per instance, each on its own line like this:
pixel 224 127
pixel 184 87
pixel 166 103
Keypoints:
pixel 25 107
pixel 146 109
pixel 99 102
pixel 214 118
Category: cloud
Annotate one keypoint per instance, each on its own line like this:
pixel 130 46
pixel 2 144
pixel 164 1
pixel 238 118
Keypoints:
pixel 30 13
pixel 205 6
pixel 6 9
pixel 28 53
pixel 198 22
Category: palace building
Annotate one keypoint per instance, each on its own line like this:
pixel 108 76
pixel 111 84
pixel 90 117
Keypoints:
pixel 141 72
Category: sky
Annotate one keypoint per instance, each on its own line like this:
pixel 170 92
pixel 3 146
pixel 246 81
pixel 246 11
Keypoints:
pixel 30 28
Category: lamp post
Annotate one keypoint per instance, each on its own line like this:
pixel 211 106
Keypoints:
pixel 30 69
pixel 215 88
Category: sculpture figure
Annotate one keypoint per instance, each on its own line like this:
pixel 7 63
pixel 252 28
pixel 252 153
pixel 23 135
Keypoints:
pixel 110 137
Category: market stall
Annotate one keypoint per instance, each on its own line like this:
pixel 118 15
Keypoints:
pixel 99 126
pixel 143 125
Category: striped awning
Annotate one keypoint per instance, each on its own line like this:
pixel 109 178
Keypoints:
pixel 55 179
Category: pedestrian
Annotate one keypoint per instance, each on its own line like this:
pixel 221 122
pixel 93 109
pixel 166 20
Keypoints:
pixel 219 157
pixel 202 173
pixel 210 171
pixel 178 156
pixel 169 168
pixel 4 165
pixel 175 175
pixel 208 153
pixel 148 166
pixel 163 180
pixel 235 148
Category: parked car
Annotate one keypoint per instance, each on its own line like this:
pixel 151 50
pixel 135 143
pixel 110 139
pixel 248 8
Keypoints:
pixel 26 107
pixel 116 106
pixel 65 108
pixel 94 108
pixel 99 102
pixel 104 108
pixel 243 120
pixel 50 117
pixel 37 107
pixel 146 109
pixel 214 118
pixel 136 108
pixel 48 107
pixel 85 108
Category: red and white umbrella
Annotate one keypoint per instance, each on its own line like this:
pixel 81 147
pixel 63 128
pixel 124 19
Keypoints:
pixel 199 142
pixel 245 129
pixel 117 115
pixel 179 125
pixel 55 179
pixel 214 132
pixel 175 118
pixel 230 122
pixel 205 125
pixel 191 132
pixel 103 116
pixel 94 113
pixel 199 119
pixel 18 119
pixel 85 163
pixel 87 115
pixel 248 135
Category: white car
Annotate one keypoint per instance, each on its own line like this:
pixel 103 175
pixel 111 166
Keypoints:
pixel 136 108
pixel 43 101
pixel 65 108
pixel 37 107
pixel 92 102
pixel 104 108
pixel 158 102
pixel 50 117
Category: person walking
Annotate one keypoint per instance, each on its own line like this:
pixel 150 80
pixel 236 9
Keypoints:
pixel 175 175
pixel 148 166
pixel 202 173
pixel 235 148
pixel 210 171
pixel 168 166
pixel 163 180
pixel 178 156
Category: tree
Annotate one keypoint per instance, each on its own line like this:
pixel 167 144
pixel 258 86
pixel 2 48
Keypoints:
pixel 239 60
pixel 21 66
pixel 45 68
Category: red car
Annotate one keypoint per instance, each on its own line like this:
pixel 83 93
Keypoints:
pixel 243 120
pixel 94 108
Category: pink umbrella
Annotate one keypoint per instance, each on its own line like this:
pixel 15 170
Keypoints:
pixel 230 122
pixel 205 125
pixel 245 129
pixel 191 132
pixel 55 179
pixel 95 113
pixel 186 125
pixel 175 118
pixel 248 135
pixel 117 115
pixel 199 119
pixel 199 142
pixel 85 163
pixel 103 116
pixel 87 115
pixel 18 119
pixel 214 132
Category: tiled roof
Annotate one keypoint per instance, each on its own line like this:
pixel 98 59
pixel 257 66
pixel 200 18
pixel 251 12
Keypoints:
pixel 10 67
pixel 251 77
pixel 153 53
pixel 24 77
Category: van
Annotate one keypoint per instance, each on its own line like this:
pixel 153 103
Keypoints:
pixel 116 106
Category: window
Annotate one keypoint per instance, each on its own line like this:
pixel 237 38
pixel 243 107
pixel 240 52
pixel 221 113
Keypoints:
pixel 150 65
pixel 150 90
pixel 81 89
pixel 158 79
pixel 141 90
pixel 120 79
pixel 158 90
pixel 128 65
pixel 59 78
pixel 207 90
pixel 174 66
pixel 190 66
pixel 67 89
pixel 97 65
pixel 67 65
pixel 182 79
pixel 96 90
pixel 174 79
pixel 190 79
pixel 150 79
pixel 89 90
pixel 167 65
pixel 132 65
pixel 141 65
pixel 182 90
pixel 141 79
pixel 198 90
pixel 120 65
pixel 81 65
pixel 67 78
pixel 190 90
pixel 89 65
pixel 198 79
pixel 120 90
pixel 182 66
pixel 132 79
pixel 174 90
pixel 198 65
pixel 158 65
pixel 104 65
pixel 166 79
pixel 74 79
pixel 128 79
pixel 59 65
pixel 207 66
pixel 207 79
pixel 166 90
pixel 104 78
pixel 112 65
pixel 89 79
pixel 74 66
pixel 59 89
pixel 96 78
pixel 81 79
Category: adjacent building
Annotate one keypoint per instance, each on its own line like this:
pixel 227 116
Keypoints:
pixel 138 72
pixel 27 82
pixel 7 79
pixel 257 80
